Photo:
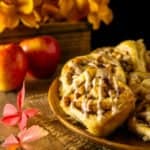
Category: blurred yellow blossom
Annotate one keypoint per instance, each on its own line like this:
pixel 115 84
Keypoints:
pixel 99 11
pixel 7 22
pixel 14 11
pixel 95 11
pixel 33 13
pixel 74 10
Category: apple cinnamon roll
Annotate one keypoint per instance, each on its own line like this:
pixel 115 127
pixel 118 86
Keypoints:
pixel 129 53
pixel 147 60
pixel 95 94
pixel 139 122
pixel 139 82
pixel 135 50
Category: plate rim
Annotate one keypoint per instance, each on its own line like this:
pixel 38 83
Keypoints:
pixel 104 142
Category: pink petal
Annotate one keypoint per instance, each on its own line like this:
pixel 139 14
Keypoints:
pixel 23 121
pixel 20 97
pixel 10 120
pixel 34 133
pixel 31 112
pixel 10 140
pixel 9 110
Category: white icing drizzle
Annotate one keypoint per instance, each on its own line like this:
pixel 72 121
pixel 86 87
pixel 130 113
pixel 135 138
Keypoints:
pixel 146 114
pixel 75 95
pixel 92 64
pixel 84 106
pixel 88 105
pixel 78 70
pixel 77 80
pixel 87 84
pixel 100 97
pixel 99 114
pixel 94 82
pixel 72 105
pixel 87 80
pixel 75 88
pixel 114 107
pixel 75 67
pixel 116 86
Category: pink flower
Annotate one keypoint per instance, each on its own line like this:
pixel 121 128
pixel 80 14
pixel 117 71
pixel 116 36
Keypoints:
pixel 24 137
pixel 17 116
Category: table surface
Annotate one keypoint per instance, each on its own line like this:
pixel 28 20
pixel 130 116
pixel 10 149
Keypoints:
pixel 59 137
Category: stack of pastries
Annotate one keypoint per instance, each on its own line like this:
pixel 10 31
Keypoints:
pixel 108 87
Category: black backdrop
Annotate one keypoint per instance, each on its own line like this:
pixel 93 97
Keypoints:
pixel 131 21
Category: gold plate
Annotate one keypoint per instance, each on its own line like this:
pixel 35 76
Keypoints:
pixel 121 139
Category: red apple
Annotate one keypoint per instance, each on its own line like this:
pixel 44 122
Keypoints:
pixel 43 53
pixel 13 66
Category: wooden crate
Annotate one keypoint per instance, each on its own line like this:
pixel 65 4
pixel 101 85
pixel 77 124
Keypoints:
pixel 74 38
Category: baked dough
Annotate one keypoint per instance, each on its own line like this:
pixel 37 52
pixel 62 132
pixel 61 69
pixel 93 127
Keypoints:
pixel 107 87
pixel 134 50
pixel 147 60
pixel 130 54
pixel 139 122
pixel 139 82
pixel 93 92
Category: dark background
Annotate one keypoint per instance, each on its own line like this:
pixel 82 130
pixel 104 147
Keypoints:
pixel 131 21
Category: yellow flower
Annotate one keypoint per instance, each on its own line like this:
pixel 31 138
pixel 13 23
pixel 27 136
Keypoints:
pixel 95 11
pixel 32 13
pixel 73 10
pixel 18 10
pixel 99 11
pixel 8 19
pixel 31 20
